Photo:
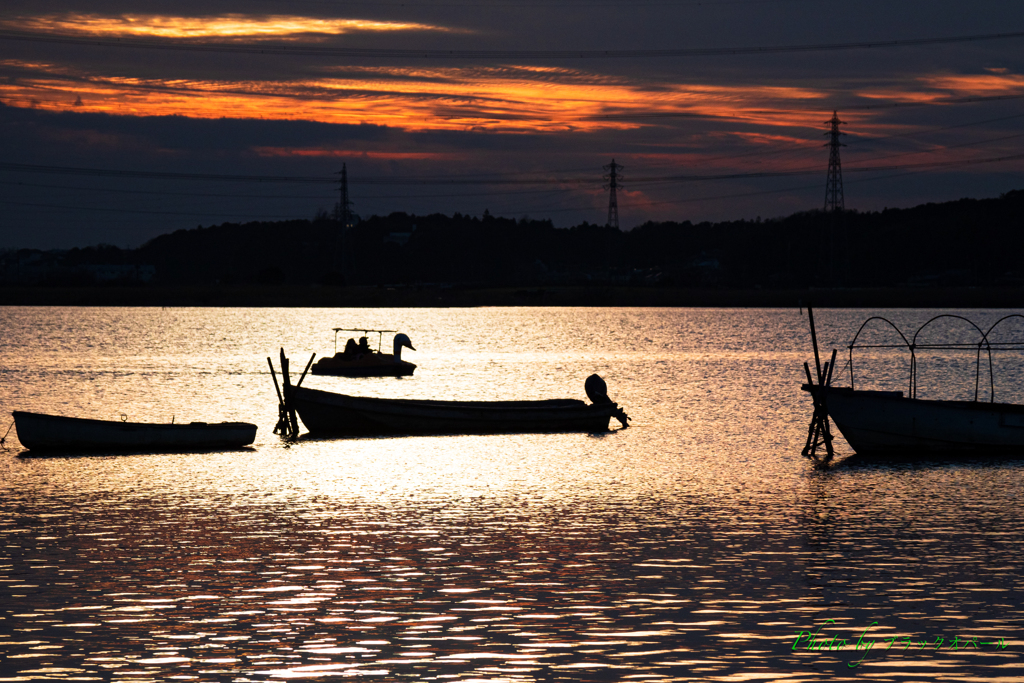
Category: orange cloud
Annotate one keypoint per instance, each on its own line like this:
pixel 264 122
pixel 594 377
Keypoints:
pixel 506 98
pixel 222 26
pixel 943 86
pixel 503 98
pixel 442 100
pixel 978 84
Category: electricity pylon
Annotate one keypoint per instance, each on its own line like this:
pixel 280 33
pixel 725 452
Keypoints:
pixel 834 185
pixel 344 213
pixel 344 216
pixel 613 183
pixel 835 203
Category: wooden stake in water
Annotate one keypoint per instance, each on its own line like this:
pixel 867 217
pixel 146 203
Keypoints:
pixel 286 379
pixel 819 433
pixel 282 415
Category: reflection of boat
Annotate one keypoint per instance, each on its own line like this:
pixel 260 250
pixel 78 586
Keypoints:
pixel 56 433
pixel 326 413
pixel 889 423
pixel 359 360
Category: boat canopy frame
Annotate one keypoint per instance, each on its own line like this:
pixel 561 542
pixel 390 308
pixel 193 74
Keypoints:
pixel 984 343
pixel 366 332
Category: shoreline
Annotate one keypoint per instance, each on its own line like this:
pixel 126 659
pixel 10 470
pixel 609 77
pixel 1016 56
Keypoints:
pixel 464 297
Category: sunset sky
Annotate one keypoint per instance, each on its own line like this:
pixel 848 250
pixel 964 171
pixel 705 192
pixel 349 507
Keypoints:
pixel 122 121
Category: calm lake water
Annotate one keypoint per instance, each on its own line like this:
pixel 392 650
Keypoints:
pixel 694 545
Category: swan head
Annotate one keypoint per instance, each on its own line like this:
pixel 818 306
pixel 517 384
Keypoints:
pixel 400 341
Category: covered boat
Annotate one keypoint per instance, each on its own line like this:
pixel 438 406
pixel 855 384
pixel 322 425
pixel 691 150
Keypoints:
pixel 37 431
pixel 892 424
pixel 357 359
pixel 331 414
pixel 887 423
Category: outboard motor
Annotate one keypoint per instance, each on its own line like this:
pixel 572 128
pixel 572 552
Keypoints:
pixel 597 392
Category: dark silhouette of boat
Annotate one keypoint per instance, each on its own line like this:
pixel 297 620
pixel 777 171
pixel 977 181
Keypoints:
pixel 330 414
pixel 891 424
pixel 878 423
pixel 359 360
pixel 37 431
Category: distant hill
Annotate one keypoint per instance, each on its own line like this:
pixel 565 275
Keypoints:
pixel 969 242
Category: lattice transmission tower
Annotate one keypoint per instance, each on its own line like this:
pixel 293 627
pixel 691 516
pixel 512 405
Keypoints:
pixel 344 212
pixel 344 216
pixel 834 185
pixel 613 184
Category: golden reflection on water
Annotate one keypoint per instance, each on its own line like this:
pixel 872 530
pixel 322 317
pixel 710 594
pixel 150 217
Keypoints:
pixel 694 545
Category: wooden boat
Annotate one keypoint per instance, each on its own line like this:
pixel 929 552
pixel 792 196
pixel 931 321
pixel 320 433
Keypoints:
pixel 886 423
pixel 41 432
pixel 330 414
pixel 359 360
pixel 890 424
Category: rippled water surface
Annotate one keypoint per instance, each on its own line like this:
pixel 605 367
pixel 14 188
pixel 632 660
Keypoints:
pixel 694 545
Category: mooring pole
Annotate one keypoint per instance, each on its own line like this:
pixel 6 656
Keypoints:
pixel 282 415
pixel 812 430
pixel 289 407
pixel 303 375
pixel 818 432
pixel 814 343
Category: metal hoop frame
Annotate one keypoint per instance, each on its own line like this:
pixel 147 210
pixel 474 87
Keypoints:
pixel 912 345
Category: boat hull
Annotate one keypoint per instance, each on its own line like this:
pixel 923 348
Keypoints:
pixel 329 414
pixel 39 432
pixel 886 423
pixel 370 365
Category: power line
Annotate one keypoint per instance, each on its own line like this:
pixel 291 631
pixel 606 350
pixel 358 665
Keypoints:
pixel 817 169
pixel 484 182
pixel 168 194
pixel 143 211
pixel 862 107
pixel 406 53
pixel 161 175
pixel 324 197
pixel 796 188
pixel 945 147
pixel 911 168
pixel 474 179
pixel 807 147
pixel 937 129
pixel 766 153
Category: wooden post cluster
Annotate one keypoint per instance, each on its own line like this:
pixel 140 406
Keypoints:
pixel 819 433
pixel 287 421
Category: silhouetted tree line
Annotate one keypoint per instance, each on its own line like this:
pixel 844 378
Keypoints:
pixel 966 242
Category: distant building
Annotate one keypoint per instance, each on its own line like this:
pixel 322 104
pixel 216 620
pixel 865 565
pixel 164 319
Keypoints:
pixel 121 273
pixel 399 238
pixel 31 266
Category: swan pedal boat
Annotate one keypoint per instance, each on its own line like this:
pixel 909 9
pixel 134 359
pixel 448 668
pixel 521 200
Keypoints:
pixel 40 432
pixel 367 362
